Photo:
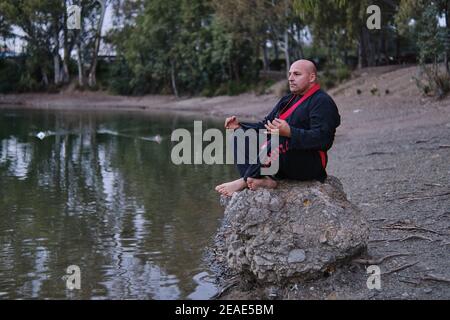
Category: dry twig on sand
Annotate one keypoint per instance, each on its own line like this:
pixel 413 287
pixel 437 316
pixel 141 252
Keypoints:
pixel 425 198
pixel 405 266
pixel 408 228
pixel 403 239
pixel 407 198
pixel 432 277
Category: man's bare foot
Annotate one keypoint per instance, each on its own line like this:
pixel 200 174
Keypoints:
pixel 228 189
pixel 267 183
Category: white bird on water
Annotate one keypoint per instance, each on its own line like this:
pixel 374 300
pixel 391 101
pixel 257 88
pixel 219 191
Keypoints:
pixel 44 134
pixel 41 135
pixel 157 138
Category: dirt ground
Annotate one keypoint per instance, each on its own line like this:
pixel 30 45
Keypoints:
pixel 392 154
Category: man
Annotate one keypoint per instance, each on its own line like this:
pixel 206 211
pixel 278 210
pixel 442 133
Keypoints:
pixel 306 121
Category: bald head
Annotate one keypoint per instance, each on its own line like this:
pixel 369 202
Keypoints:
pixel 302 76
pixel 306 65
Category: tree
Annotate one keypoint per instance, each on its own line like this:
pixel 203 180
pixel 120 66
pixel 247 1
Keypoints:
pixel 341 26
pixel 187 46
pixel 97 39
pixel 433 40
pixel 5 28
pixel 44 24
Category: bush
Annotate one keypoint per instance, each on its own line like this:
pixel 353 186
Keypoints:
pixel 9 76
pixel 343 73
pixel 120 79
pixel 433 81
pixel 333 77
pixel 231 88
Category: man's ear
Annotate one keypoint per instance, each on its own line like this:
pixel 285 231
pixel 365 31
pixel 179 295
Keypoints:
pixel 313 77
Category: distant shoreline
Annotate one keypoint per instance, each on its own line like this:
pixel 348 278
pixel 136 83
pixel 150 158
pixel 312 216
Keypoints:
pixel 248 106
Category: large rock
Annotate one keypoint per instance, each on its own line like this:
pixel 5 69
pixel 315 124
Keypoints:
pixel 296 232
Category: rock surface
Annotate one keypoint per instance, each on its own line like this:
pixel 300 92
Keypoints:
pixel 298 231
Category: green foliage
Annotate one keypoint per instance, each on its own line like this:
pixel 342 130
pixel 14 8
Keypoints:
pixel 212 47
pixel 119 78
pixel 432 42
pixel 433 81
pixel 332 77
pixel 182 42
pixel 9 76
pixel 429 44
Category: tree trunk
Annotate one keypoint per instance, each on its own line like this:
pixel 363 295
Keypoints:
pixel 276 49
pixel 286 40
pixel 265 57
pixel 55 53
pixel 286 51
pixel 172 77
pixel 57 67
pixel 301 53
pixel 362 50
pixel 65 73
pixel 80 65
pixel 370 49
pixel 92 72
pixel 236 71
pixel 299 44
pixel 65 77
pixel 384 47
pixel 447 53
pixel 44 78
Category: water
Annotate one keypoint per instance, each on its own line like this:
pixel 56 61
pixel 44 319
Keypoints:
pixel 99 191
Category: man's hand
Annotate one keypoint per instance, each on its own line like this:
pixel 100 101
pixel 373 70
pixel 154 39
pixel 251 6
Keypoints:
pixel 232 123
pixel 282 126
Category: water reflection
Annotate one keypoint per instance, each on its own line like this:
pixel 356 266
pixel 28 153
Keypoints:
pixel 16 156
pixel 113 204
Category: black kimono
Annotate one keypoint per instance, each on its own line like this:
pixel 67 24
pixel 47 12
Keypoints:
pixel 303 155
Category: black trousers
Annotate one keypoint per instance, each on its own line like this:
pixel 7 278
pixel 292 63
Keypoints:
pixel 302 165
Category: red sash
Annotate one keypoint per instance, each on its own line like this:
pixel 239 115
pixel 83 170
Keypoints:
pixel 287 113
pixel 308 94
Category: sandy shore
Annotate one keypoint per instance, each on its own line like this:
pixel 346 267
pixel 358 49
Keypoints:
pixel 248 106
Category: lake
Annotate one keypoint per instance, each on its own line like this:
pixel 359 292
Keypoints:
pixel 98 190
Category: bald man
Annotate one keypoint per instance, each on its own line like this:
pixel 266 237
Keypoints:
pixel 306 121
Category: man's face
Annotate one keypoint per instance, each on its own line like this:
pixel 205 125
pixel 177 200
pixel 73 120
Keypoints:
pixel 300 80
